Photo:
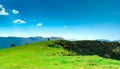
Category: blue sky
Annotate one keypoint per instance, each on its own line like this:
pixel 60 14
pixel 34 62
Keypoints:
pixel 70 19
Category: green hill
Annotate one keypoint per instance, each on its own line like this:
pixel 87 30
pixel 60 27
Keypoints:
pixel 48 55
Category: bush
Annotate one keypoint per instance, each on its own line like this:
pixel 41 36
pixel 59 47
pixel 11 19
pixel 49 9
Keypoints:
pixel 88 47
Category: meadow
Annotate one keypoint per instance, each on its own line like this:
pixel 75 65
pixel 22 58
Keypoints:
pixel 42 56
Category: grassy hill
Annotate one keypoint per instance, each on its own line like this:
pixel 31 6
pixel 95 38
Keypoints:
pixel 48 55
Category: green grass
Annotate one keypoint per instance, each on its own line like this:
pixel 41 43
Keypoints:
pixel 41 56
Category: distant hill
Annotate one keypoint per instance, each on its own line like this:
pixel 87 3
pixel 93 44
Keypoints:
pixel 116 40
pixel 5 42
pixel 105 40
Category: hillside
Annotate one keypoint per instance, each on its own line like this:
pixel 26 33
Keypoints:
pixel 49 55
pixel 5 42
pixel 93 47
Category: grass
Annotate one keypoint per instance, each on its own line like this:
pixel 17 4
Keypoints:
pixel 41 56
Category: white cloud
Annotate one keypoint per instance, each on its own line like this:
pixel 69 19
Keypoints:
pixel 65 26
pixel 2 11
pixel 39 24
pixel 15 11
pixel 19 21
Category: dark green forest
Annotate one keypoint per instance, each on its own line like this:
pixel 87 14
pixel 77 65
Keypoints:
pixel 93 47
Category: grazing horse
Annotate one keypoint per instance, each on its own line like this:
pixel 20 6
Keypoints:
pixel 48 39
pixel 13 45
pixel 67 47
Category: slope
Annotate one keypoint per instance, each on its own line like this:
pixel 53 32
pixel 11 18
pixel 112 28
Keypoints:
pixel 7 41
pixel 48 55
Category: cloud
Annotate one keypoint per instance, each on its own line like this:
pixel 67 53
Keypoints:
pixel 19 21
pixel 15 11
pixel 2 11
pixel 39 24
pixel 65 26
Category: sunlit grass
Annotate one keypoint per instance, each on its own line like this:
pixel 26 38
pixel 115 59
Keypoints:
pixel 41 56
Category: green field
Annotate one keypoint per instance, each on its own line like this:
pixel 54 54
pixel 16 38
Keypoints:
pixel 42 56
